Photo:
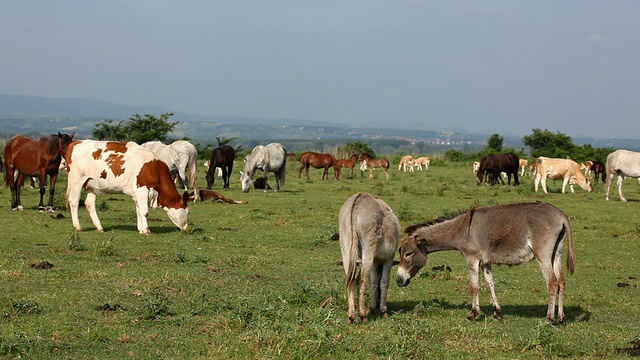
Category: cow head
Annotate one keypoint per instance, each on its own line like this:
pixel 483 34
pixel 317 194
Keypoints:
pixel 179 216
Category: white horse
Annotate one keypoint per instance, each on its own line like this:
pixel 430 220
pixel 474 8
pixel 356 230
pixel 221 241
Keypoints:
pixel 368 231
pixel 182 158
pixel 624 163
pixel 269 158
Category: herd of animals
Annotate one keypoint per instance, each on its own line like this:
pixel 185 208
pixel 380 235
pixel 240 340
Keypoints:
pixel 368 228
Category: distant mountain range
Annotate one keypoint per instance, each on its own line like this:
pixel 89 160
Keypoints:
pixel 27 114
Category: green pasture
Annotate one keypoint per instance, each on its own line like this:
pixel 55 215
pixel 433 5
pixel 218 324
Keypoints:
pixel 259 280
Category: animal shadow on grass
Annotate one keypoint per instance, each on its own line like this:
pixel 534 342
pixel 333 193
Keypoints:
pixel 572 313
pixel 134 228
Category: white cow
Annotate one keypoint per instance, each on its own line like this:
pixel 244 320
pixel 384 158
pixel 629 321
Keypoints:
pixel 422 161
pixel 406 160
pixel 556 169
pixel 111 167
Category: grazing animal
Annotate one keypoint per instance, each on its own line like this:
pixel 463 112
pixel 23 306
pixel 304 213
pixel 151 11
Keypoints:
pixel 348 163
pixel 269 158
pixel 475 167
pixel 112 167
pixel 222 157
pixel 625 163
pixel 261 184
pixel 599 170
pixel 24 156
pixel 406 160
pixel 182 158
pixel 374 163
pixel 319 161
pixel 368 231
pixel 523 166
pixel 556 169
pixel 494 164
pixel 586 167
pixel 422 161
pixel 503 235
pixel 214 195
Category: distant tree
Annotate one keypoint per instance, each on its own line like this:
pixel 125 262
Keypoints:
pixel 546 143
pixel 495 143
pixel 145 128
pixel 357 148
pixel 107 130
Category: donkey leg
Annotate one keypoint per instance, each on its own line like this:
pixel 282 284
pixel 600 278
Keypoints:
pixel 475 288
pixel 365 274
pixel 384 286
pixel 374 286
pixel 488 278
pixel 552 288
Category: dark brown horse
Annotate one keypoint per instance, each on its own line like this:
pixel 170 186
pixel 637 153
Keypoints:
pixel 222 157
pixel 348 163
pixel 493 164
pixel 598 169
pixel 319 161
pixel 30 157
pixel 374 163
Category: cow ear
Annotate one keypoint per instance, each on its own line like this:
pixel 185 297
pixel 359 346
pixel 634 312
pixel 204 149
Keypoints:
pixel 185 198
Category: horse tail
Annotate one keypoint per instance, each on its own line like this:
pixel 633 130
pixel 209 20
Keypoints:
pixel 192 170
pixel 283 169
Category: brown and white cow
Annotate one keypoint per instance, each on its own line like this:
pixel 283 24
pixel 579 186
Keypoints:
pixel 113 167
pixel 556 169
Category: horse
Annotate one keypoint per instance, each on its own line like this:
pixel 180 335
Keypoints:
pixel 423 160
pixel 348 163
pixel 216 196
pixel 269 158
pixel 29 157
pixel 180 155
pixel 509 234
pixel 494 164
pixel 621 162
pixel 115 167
pixel 221 157
pixel 373 163
pixel 599 171
pixel 368 230
pixel 319 161
pixel 406 160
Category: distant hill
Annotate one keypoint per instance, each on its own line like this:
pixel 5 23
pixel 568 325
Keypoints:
pixel 28 114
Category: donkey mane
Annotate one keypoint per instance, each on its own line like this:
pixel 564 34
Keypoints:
pixel 410 229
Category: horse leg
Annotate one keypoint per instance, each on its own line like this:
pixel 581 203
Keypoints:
pixel 488 279
pixel 225 178
pixel 300 172
pixel 43 190
pixel 619 183
pixel 475 288
pixel 277 174
pixel 52 190
pixel 386 173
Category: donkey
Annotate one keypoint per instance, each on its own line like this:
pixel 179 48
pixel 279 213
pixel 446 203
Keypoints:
pixel 368 230
pixel 503 234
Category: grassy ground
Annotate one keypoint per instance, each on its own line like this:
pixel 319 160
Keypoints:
pixel 259 280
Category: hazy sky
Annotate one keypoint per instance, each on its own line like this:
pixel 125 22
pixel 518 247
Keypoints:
pixel 485 66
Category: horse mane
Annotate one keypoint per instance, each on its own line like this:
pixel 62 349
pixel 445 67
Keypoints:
pixel 412 228
pixel 52 140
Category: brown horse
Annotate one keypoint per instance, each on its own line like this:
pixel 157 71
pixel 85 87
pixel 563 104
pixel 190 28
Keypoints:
pixel 348 163
pixel 222 157
pixel 30 157
pixel 599 171
pixel 374 163
pixel 319 161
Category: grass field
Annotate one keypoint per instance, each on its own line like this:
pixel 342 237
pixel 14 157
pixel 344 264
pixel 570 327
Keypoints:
pixel 259 280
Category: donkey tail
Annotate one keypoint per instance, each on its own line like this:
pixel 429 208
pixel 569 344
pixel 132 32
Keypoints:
pixel 571 254
pixel 350 245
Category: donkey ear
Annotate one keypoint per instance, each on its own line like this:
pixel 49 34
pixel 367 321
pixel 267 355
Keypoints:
pixel 421 242
pixel 241 173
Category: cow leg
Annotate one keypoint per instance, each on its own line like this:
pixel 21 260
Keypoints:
pixel 488 279
pixel 475 288
pixel 141 199
pixel 90 204
pixel 74 189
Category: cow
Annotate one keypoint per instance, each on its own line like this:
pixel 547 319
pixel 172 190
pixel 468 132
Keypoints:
pixel 114 167
pixel 556 169
pixel 523 166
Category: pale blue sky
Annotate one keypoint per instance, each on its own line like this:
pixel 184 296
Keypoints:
pixel 483 66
